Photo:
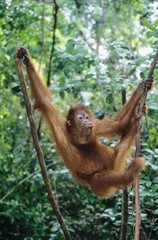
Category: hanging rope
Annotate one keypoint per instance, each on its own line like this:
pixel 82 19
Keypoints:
pixel 39 150
pixel 136 182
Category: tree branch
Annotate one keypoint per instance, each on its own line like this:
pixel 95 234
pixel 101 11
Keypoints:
pixel 39 150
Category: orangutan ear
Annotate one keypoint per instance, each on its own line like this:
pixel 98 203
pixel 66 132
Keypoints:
pixel 68 123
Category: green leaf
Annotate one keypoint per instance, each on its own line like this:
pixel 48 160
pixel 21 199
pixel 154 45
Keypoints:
pixel 154 167
pixel 156 74
pixel 154 106
pixel 156 211
pixel 62 94
pixel 147 24
pixel 109 98
pixel 152 34
pixel 14 85
pixel 156 23
pixel 70 46
pixel 89 76
pixel 142 75
pixel 62 82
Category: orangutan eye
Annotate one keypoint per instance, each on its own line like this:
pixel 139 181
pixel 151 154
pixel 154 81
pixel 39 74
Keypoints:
pixel 87 117
pixel 80 117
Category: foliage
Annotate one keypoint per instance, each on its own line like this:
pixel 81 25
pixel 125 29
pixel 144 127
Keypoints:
pixel 101 48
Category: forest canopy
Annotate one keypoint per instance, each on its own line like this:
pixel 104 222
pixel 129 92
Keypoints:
pixel 94 52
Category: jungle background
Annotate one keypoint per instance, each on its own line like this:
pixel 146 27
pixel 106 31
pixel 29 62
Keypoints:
pixel 95 52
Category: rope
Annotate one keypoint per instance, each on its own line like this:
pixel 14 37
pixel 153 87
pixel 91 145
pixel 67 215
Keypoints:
pixel 137 153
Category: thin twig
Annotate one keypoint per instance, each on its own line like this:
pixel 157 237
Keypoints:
pixel 137 194
pixel 153 65
pixel 124 212
pixel 56 8
pixel 39 128
pixel 43 31
pixel 39 150
pixel 40 60
pixel 21 182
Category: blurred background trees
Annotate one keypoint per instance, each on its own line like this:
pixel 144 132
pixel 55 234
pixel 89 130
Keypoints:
pixel 86 51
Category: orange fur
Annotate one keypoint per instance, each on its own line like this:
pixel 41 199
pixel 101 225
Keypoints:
pixel 91 163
